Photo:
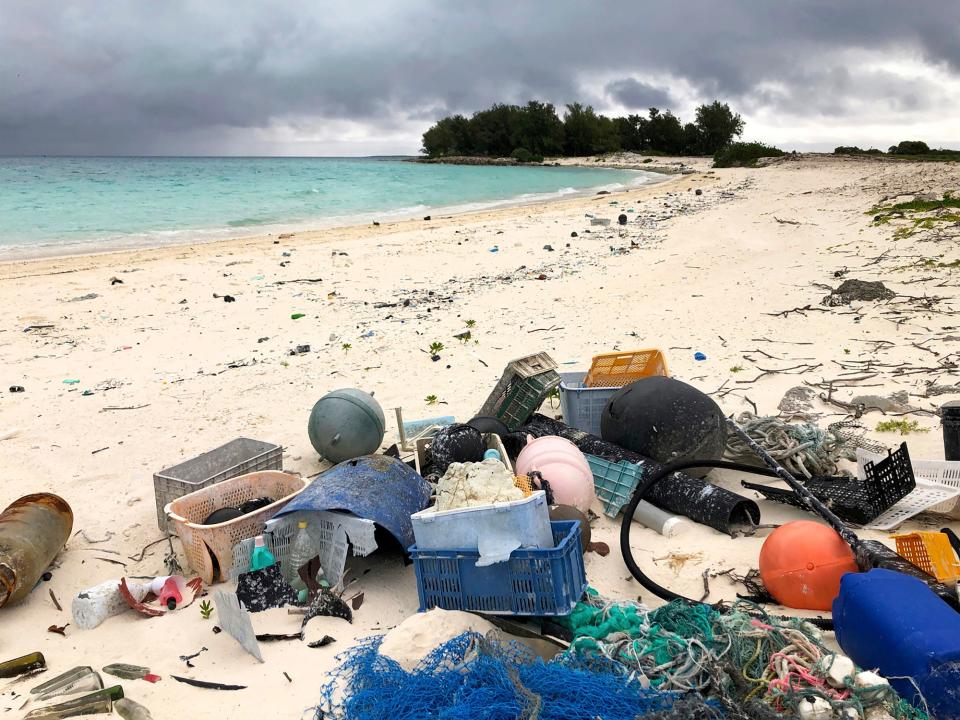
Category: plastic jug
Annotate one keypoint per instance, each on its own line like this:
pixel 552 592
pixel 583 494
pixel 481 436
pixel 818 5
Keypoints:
pixel 887 620
pixel 261 557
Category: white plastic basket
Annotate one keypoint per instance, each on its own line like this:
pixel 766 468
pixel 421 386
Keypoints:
pixel 495 530
pixel 937 487
pixel 332 533
pixel 945 473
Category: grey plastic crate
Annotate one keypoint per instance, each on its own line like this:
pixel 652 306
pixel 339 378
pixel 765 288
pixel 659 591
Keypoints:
pixel 237 457
pixel 583 406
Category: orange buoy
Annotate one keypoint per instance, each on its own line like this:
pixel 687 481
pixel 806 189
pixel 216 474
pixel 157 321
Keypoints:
pixel 801 564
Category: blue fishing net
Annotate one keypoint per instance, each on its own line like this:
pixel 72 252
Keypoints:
pixel 475 678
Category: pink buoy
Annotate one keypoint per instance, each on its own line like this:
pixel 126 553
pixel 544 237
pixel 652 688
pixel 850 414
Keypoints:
pixel 563 466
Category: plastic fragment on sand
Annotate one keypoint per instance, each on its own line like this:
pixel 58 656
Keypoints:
pixel 127 672
pixel 236 622
pixel 699 356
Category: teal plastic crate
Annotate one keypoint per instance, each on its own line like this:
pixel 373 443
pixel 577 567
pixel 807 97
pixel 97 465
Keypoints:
pixel 534 581
pixel 614 483
pixel 582 406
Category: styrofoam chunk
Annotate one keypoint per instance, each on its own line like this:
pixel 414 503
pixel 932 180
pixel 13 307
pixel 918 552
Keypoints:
pixel 839 667
pixel 868 678
pixel 814 709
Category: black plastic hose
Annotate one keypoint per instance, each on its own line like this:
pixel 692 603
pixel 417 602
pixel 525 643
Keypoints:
pixel 631 508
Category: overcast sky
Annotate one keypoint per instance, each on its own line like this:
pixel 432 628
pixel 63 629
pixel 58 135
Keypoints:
pixel 293 77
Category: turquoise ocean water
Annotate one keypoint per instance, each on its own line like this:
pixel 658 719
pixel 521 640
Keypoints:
pixel 65 205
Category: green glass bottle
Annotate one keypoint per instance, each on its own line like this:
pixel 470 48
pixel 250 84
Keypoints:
pixel 22 665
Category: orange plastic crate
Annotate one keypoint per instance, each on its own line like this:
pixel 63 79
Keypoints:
pixel 622 368
pixel 931 552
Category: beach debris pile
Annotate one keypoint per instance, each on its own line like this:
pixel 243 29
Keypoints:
pixel 623 661
pixel 495 516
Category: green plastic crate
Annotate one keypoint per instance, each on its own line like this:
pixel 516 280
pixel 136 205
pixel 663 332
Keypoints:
pixel 522 397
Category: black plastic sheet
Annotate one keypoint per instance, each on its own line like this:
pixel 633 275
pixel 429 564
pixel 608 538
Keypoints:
pixel 697 499
pixel 263 589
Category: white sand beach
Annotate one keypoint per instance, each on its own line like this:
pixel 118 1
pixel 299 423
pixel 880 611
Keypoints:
pixel 175 371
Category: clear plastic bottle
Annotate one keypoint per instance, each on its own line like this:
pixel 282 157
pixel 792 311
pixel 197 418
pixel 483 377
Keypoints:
pixel 80 679
pixel 261 557
pixel 130 710
pixel 301 552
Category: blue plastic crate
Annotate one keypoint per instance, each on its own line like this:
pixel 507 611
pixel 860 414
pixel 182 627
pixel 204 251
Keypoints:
pixel 534 581
pixel 582 407
pixel 614 483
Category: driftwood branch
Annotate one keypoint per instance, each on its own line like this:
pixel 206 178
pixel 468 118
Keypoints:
pixel 799 310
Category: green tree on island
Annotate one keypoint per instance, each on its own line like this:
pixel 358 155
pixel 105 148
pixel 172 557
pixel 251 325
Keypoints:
pixel 530 132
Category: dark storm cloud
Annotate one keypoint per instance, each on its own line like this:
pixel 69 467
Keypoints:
pixel 635 95
pixel 128 76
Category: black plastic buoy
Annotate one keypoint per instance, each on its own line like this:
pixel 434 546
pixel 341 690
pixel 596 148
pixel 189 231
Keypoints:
pixel 622 219
pixel 456 443
pixel 665 420
pixel 222 515
pixel 488 424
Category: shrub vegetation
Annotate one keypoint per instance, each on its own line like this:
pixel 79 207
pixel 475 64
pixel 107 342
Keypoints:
pixel 530 132
pixel 744 154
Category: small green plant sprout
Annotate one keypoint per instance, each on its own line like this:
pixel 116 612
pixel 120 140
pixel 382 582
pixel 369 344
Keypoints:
pixel 206 609
pixel 436 348
pixel 736 369
pixel 846 351
pixel 431 400
pixel 904 427
pixel 470 323
pixel 346 347
pixel 464 337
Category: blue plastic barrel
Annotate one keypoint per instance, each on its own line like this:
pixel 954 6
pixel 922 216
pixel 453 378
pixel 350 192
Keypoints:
pixel 887 620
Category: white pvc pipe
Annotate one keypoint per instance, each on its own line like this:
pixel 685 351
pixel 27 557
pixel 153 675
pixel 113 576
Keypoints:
pixel 660 520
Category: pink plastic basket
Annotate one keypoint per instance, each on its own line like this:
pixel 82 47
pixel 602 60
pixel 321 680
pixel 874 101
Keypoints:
pixel 209 548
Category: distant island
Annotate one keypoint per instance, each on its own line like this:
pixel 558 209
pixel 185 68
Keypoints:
pixel 517 134
pixel 533 131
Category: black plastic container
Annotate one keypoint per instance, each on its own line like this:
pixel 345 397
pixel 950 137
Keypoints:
pixel 950 417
